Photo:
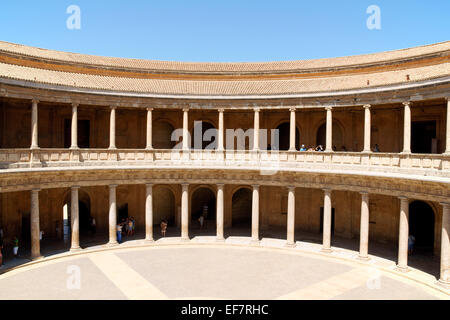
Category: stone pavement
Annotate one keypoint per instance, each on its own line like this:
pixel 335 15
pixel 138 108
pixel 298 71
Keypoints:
pixel 202 268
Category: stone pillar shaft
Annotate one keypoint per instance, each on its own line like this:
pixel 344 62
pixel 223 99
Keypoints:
pixel 112 128
pixel 291 217
pixel 74 133
pixel 407 128
pixel 327 221
pixel 256 130
pixel 403 235
pixel 367 128
pixel 445 246
pixel 149 143
pixel 35 228
pixel 447 133
pixel 220 146
pixel 75 219
pixel 149 212
pixel 292 130
pixel 185 211
pixel 34 124
pixel 255 213
pixel 364 229
pixel 112 215
pixel 329 131
pixel 220 212
pixel 185 129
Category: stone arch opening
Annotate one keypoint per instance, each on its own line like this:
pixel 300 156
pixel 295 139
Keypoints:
pixel 338 136
pixel 163 205
pixel 284 130
pixel 199 140
pixel 162 135
pixel 421 225
pixel 201 197
pixel 241 203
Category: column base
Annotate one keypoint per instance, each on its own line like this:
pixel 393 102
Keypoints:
pixel 406 152
pixel 401 269
pixel 220 239
pixel 290 245
pixel 112 244
pixel 326 250
pixel 148 241
pixel 443 283
pixel 185 239
pixel 363 258
pixel 255 242
pixel 75 249
pixel 37 258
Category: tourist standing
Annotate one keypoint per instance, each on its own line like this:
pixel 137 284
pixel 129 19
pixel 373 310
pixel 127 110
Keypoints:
pixel 15 247
pixel 93 226
pixel 119 233
pixel 163 227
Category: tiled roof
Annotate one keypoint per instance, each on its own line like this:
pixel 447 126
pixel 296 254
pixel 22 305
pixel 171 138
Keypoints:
pixel 265 86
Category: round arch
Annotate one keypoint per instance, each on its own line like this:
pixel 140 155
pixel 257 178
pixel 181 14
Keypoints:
pixel 284 128
pixel 422 218
pixel 200 196
pixel 163 204
pixel 205 125
pixel 162 130
pixel 338 135
pixel 241 206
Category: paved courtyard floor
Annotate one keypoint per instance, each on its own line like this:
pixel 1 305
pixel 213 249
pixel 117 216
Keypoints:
pixel 206 271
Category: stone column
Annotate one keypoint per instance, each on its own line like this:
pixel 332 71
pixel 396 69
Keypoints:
pixel 220 210
pixel 74 219
pixel 402 264
pixel 329 140
pixel 112 128
pixel 149 212
pixel 34 124
pixel 367 128
pixel 112 215
pixel 185 129
pixel 185 211
pixel 326 247
pixel 255 214
pixel 292 130
pixel 35 228
pixel 364 229
pixel 291 217
pixel 149 144
pixel 74 134
pixel 256 129
pixel 220 146
pixel 447 132
pixel 445 246
pixel 407 128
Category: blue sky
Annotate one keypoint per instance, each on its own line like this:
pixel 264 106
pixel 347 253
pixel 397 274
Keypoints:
pixel 231 30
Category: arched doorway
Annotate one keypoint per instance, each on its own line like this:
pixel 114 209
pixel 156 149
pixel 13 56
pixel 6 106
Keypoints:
pixel 163 205
pixel 284 130
pixel 421 226
pixel 202 197
pixel 199 140
pixel 241 204
pixel 338 136
pixel 162 135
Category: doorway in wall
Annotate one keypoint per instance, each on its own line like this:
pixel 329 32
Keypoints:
pixel 423 136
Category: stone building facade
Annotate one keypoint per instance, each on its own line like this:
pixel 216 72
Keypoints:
pixel 94 137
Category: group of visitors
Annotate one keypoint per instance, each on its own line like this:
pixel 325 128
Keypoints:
pixel 126 227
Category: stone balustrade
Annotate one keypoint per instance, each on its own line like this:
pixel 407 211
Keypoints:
pixel 436 165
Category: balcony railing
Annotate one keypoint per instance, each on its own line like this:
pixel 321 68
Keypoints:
pixel 437 165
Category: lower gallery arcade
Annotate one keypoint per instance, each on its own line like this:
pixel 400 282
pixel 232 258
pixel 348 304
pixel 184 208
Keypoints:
pixel 254 211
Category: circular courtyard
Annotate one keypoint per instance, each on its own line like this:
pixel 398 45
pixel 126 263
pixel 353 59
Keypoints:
pixel 206 272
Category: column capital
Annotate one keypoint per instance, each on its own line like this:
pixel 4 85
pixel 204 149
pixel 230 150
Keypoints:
pixel 328 108
pixel 255 186
pixel 149 108
pixel 221 110
pixel 220 185
pixel 185 109
pixel 445 205
pixel 366 106
pixel 257 109
pixel 75 187
pixel 35 190
pixel 291 188
pixel 406 103
pixel 112 186
pixel 35 101
pixel 75 104
pixel 113 107
pixel 185 185
pixel 149 184
pixel 327 190
pixel 403 198
pixel 292 108
pixel 364 193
